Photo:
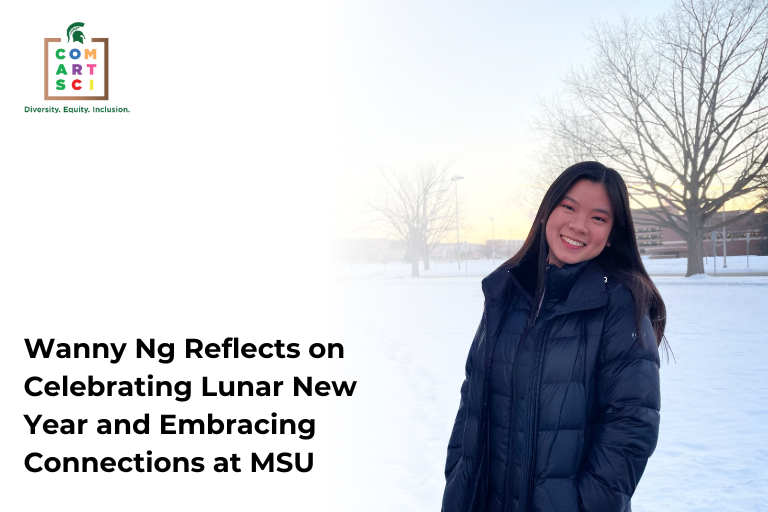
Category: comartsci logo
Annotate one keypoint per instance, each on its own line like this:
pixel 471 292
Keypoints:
pixel 77 69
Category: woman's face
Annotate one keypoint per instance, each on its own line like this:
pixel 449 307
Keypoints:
pixel 578 227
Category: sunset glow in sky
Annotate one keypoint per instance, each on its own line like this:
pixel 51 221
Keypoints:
pixel 450 80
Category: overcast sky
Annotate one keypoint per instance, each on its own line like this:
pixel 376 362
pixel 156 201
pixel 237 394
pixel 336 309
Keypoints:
pixel 416 81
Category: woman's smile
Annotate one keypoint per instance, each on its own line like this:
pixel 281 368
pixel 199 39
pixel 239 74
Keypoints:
pixel 571 243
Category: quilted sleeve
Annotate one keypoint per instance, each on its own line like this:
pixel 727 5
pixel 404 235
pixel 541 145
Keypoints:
pixel 455 442
pixel 628 401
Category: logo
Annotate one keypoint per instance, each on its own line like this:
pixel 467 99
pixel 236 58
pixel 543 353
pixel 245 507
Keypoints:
pixel 77 69
pixel 74 32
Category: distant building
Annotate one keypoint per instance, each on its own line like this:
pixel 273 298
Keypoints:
pixel 447 251
pixel 666 243
pixel 368 250
pixel 503 248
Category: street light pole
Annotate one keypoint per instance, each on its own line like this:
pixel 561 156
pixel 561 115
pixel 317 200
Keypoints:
pixel 456 179
pixel 493 243
pixel 466 259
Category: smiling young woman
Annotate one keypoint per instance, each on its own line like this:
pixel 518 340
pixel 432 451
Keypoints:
pixel 560 405
pixel 578 229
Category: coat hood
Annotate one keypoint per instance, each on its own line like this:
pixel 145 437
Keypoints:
pixel 574 287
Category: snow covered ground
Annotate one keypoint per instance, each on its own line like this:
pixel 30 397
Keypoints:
pixel 407 340
pixel 479 268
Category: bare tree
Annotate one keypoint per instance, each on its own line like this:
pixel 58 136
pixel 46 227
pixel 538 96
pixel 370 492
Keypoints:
pixel 486 250
pixel 672 105
pixel 417 207
pixel 560 153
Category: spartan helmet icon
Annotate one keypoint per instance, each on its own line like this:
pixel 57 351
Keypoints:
pixel 74 33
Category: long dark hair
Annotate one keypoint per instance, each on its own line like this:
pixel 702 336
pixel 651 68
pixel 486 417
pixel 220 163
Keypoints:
pixel 621 257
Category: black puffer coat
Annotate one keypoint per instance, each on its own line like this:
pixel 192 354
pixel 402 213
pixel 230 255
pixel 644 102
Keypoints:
pixel 563 416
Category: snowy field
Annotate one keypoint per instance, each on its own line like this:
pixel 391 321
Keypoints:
pixel 407 340
pixel 480 268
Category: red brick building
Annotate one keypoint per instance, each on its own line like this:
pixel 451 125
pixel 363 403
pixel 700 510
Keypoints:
pixel 666 243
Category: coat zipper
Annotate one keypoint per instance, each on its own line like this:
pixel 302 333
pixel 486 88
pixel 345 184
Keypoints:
pixel 531 441
pixel 510 450
pixel 511 444
pixel 525 467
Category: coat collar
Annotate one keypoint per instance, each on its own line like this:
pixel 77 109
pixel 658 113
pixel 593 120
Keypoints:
pixel 570 288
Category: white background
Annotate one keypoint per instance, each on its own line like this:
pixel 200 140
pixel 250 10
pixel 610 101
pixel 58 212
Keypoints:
pixel 197 214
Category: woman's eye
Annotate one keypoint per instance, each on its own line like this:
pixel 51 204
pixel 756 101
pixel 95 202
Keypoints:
pixel 599 218
pixel 567 206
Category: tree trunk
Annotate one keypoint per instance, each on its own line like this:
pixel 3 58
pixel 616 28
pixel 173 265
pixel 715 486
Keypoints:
pixel 426 256
pixel 695 250
pixel 414 250
pixel 414 264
